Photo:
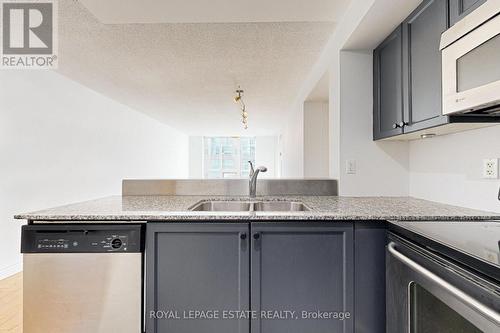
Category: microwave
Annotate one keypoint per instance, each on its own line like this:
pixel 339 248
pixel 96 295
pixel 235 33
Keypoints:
pixel 471 63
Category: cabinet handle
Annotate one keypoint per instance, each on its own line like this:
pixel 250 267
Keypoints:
pixel 257 242
pixel 400 125
pixel 243 236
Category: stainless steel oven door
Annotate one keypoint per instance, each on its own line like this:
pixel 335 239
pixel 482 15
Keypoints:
pixel 471 70
pixel 427 294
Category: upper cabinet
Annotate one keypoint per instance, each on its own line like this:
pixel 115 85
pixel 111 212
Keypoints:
pixel 422 65
pixel 460 8
pixel 388 92
pixel 408 92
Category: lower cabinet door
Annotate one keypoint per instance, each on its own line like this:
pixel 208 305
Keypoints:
pixel 302 277
pixel 195 272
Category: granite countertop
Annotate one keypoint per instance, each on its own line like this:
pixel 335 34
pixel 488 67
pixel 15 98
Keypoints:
pixel 176 208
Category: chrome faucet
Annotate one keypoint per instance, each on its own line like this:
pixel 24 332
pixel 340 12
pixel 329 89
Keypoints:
pixel 252 182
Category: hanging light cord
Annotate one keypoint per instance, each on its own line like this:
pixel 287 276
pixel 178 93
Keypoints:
pixel 244 114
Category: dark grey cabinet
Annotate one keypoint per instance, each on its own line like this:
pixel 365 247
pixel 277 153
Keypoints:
pixel 408 73
pixel 422 91
pixel 369 279
pixel 284 273
pixel 460 8
pixel 196 267
pixel 387 87
pixel 305 268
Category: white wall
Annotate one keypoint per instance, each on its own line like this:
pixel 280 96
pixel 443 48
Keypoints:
pixel 267 154
pixel 382 167
pixel 61 142
pixel 292 143
pixel 196 157
pixel 293 136
pixel 316 140
pixel 448 169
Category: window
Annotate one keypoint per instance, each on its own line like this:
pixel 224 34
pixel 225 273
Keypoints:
pixel 227 157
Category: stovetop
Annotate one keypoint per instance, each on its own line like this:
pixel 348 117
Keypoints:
pixel 477 239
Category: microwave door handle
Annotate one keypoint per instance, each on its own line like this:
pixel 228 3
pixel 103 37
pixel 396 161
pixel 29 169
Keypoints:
pixel 481 308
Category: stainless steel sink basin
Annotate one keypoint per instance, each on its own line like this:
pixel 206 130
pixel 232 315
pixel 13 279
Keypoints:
pixel 222 206
pixel 250 206
pixel 280 206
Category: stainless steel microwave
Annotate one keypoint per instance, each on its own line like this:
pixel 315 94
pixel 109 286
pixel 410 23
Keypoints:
pixel 471 63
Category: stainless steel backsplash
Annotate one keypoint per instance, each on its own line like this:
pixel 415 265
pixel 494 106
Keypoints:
pixel 236 187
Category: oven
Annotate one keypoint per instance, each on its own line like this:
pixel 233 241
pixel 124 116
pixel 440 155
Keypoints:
pixel 471 63
pixel 430 293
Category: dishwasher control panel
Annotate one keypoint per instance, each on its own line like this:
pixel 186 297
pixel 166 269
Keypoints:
pixel 81 239
pixel 108 242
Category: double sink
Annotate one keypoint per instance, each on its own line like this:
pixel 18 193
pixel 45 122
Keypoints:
pixel 250 206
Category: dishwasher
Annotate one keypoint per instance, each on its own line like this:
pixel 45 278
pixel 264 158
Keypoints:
pixel 82 278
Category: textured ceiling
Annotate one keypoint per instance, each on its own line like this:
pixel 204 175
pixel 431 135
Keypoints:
pixel 215 11
pixel 185 74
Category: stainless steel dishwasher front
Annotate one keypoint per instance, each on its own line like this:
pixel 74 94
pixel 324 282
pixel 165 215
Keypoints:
pixel 82 278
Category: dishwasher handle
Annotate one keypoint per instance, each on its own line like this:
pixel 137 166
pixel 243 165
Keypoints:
pixel 481 308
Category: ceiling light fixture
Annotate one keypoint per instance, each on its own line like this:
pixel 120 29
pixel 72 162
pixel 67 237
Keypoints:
pixel 244 114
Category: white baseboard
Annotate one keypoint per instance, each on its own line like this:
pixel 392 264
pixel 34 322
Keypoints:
pixel 7 271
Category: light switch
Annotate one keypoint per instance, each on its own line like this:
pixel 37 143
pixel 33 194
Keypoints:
pixel 350 167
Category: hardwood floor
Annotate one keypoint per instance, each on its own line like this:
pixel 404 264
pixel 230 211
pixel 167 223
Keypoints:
pixel 11 304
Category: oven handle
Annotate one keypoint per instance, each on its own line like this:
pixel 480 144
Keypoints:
pixel 483 309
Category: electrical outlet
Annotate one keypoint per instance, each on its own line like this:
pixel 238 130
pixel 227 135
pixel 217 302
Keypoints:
pixel 350 167
pixel 490 168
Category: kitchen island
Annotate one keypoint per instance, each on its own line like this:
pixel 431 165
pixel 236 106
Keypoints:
pixel 326 259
